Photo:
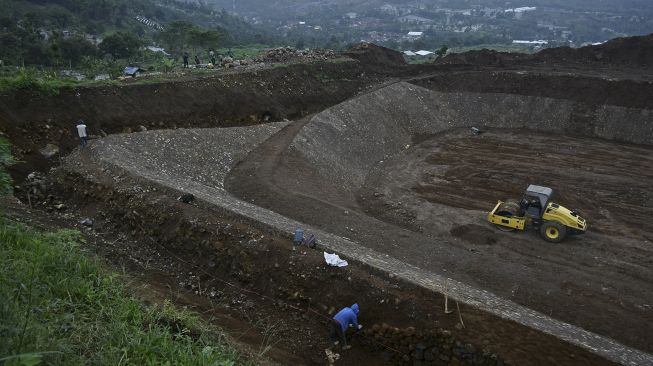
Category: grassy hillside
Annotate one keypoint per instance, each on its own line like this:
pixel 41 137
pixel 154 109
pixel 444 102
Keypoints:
pixel 59 306
pixel 63 32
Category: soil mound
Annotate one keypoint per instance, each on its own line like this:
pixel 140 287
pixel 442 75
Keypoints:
pixel 286 54
pixel 483 57
pixel 629 51
pixel 371 54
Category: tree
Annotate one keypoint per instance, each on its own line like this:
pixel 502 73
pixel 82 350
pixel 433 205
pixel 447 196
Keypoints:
pixel 333 43
pixel 10 47
pixel 175 35
pixel 442 51
pixel 73 49
pixel 198 37
pixel 300 44
pixel 120 45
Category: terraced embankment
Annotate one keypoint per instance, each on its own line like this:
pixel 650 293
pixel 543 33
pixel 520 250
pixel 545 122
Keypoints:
pixel 393 180
pixel 377 169
pixel 340 174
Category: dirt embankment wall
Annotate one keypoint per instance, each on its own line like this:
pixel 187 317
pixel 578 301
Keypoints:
pixel 258 257
pixel 32 121
pixel 346 141
pixel 574 85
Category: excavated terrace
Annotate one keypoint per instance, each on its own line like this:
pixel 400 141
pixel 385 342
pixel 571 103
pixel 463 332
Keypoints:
pixel 396 179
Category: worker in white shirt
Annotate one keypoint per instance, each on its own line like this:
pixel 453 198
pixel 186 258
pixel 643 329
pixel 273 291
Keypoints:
pixel 82 132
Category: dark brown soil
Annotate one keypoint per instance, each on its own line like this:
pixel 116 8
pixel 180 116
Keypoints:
pixel 629 52
pixel 611 184
pixel 475 234
pixel 234 99
pixel 600 281
pixel 579 281
pixel 279 293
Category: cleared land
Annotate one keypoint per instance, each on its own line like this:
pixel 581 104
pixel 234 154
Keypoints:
pixel 388 171
pixel 398 171
pixel 393 179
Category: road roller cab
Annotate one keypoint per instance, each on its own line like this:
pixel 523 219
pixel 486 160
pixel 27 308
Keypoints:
pixel 536 210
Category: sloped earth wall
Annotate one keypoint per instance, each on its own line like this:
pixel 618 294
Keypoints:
pixel 318 180
pixel 479 108
pixel 135 178
pixel 149 156
pixel 31 121
pixel 349 139
pixel 116 181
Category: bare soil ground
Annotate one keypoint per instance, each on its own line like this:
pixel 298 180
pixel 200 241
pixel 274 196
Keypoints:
pixel 449 182
pixel 425 206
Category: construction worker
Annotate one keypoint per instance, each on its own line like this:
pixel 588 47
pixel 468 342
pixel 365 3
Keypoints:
pixel 340 323
pixel 82 132
pixel 298 238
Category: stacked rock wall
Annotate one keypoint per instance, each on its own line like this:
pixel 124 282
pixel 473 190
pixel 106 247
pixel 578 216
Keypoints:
pixel 438 347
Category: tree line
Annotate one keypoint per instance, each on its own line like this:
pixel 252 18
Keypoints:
pixel 74 33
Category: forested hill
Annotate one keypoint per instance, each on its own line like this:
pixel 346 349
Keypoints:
pixel 34 31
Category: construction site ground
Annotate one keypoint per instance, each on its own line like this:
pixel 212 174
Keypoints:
pixel 428 207
pixel 274 139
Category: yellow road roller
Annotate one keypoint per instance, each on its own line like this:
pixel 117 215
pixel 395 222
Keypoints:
pixel 536 210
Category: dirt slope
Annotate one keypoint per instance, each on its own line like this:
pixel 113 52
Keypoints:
pixel 233 99
pixel 355 170
pixel 388 200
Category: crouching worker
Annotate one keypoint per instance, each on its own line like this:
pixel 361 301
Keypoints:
pixel 298 238
pixel 340 323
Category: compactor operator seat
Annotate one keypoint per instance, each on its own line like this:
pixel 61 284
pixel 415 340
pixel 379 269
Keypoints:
pixel 531 207
pixel 534 211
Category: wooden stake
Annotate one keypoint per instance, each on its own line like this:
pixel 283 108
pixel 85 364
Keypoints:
pixel 446 299
pixel 446 304
pixel 460 316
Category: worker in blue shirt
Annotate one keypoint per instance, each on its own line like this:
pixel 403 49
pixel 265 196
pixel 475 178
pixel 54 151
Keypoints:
pixel 298 238
pixel 341 322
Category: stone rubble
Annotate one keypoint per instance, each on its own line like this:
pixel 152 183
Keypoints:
pixel 285 54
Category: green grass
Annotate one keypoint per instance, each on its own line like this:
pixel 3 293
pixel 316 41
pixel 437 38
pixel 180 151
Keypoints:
pixel 44 82
pixel 59 306
pixel 5 161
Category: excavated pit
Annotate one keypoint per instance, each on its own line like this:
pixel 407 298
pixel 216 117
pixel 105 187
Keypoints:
pixel 395 180
pixel 399 171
